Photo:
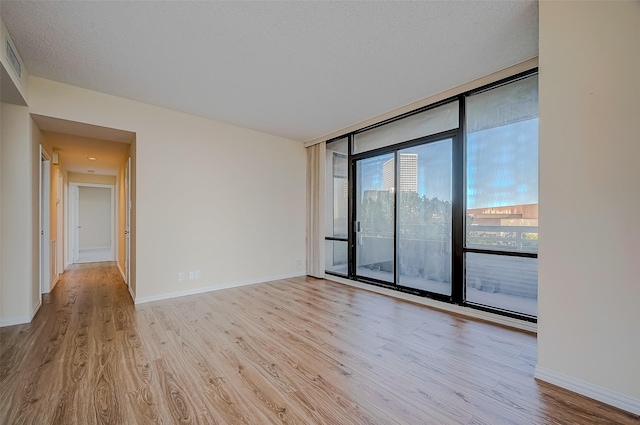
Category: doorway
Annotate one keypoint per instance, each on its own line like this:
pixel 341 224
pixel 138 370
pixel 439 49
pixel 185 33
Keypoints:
pixel 45 247
pixel 127 229
pixel 59 266
pixel 92 222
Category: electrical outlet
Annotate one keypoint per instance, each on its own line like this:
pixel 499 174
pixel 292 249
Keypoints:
pixel 192 275
pixel 180 277
pixel 299 264
pixel 197 274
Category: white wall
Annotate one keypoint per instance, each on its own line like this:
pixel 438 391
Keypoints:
pixel 36 139
pixel 95 212
pixel 15 200
pixel 589 261
pixel 224 200
pixel 133 219
pixel 91 178
pixel 1 212
pixel 14 87
pixel 19 268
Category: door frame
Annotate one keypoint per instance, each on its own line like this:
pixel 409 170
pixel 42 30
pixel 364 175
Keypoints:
pixel 456 141
pixel 72 227
pixel 127 228
pixel 44 197
pixel 357 236
pixel 74 213
pixel 60 265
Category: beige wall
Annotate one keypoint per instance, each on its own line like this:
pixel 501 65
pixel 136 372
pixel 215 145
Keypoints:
pixel 55 197
pixel 1 210
pixel 95 211
pixel 120 255
pixel 35 181
pixel 91 178
pixel 57 200
pixel 20 169
pixel 589 268
pixel 133 217
pixel 224 200
pixel 17 262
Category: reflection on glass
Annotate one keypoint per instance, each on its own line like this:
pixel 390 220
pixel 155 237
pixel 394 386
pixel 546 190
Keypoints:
pixel 375 188
pixel 502 168
pixel 336 189
pixel 432 121
pixel 424 214
pixel 508 283
pixel 336 257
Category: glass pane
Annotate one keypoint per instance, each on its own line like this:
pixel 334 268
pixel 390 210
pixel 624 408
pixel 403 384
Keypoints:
pixel 336 188
pixel 424 214
pixel 425 123
pixel 509 283
pixel 336 257
pixel 374 213
pixel 502 168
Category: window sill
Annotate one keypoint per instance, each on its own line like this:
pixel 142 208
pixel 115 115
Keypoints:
pixel 451 308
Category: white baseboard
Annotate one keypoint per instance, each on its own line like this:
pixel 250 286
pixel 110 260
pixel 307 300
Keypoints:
pixel 54 283
pixel 95 248
pixel 12 321
pixel 589 390
pixel 201 290
pixel 122 273
pixel 35 309
pixel 133 296
pixel 21 319
pixel 452 308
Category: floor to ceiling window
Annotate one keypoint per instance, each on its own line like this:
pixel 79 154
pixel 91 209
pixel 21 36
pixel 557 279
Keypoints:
pixel 443 202
pixel 424 217
pixel 501 237
pixel 336 203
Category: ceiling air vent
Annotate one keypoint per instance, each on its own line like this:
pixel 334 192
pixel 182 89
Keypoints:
pixel 12 58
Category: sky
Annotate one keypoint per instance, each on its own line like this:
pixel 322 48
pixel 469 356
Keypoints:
pixel 502 167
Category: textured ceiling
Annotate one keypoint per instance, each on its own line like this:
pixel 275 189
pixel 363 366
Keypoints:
pixel 295 69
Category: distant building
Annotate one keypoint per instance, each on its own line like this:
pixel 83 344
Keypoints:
pixel 408 173
pixel 510 215
pixel 375 195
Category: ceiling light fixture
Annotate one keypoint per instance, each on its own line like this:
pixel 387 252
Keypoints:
pixel 91 158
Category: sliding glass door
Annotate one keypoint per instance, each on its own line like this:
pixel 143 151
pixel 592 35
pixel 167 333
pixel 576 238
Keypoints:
pixel 403 217
pixel 375 217
pixel 424 216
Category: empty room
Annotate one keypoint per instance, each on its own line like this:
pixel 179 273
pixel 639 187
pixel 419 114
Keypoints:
pixel 221 212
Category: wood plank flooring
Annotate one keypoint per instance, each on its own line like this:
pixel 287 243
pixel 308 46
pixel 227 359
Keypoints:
pixel 295 351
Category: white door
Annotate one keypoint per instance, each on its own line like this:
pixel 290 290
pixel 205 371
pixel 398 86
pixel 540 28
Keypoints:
pixel 127 231
pixel 45 193
pixel 74 222
pixel 59 211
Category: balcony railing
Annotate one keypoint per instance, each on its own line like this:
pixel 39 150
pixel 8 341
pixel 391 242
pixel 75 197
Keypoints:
pixel 503 238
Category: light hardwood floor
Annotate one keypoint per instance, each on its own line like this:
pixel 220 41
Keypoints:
pixel 295 351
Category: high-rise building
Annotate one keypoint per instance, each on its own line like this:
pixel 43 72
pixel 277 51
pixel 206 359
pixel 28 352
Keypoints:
pixel 408 173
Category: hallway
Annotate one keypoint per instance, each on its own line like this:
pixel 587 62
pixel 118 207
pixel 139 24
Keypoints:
pixel 94 255
pixel 63 365
pixel 300 350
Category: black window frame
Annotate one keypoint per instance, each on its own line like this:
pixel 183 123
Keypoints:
pixel 459 181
